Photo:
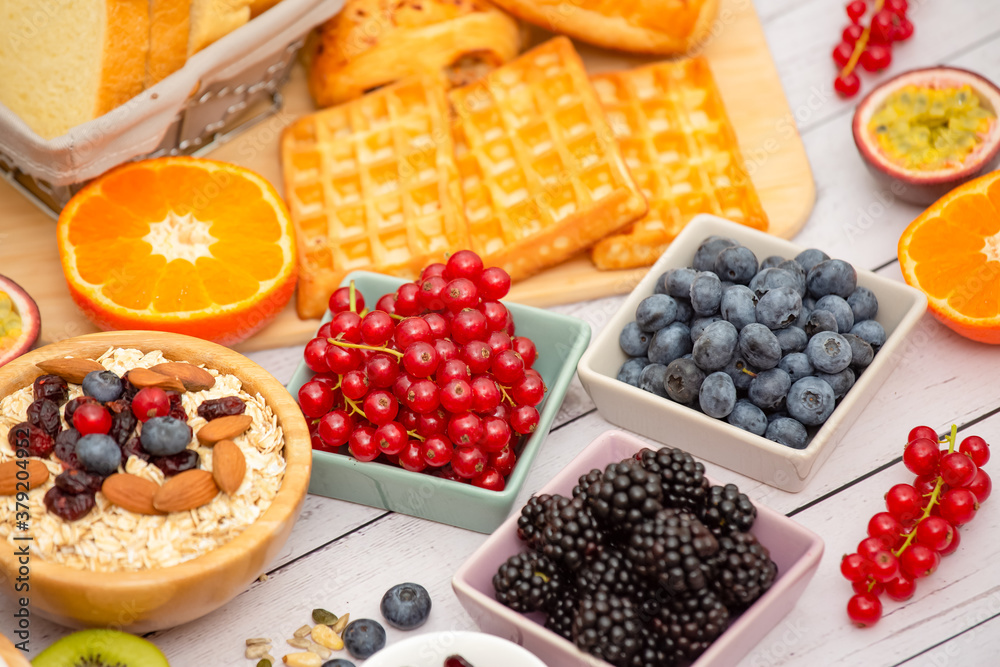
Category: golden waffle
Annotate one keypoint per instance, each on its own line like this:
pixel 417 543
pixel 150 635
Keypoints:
pixel 682 151
pixel 542 177
pixel 372 184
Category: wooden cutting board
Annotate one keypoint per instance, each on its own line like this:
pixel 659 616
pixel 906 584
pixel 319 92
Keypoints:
pixel 746 77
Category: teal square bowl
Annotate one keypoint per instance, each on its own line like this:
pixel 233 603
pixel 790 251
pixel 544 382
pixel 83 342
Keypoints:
pixel 560 341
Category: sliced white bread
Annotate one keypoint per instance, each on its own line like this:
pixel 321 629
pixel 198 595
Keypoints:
pixel 65 62
pixel 258 7
pixel 212 19
pixel 169 27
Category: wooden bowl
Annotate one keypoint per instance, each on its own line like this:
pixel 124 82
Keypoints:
pixel 160 598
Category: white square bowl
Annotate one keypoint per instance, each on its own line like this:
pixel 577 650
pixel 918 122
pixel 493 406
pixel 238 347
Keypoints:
pixel 794 549
pixel 900 307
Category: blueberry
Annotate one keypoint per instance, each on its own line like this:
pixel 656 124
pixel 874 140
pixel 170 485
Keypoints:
pixel 661 284
pixel 716 346
pixel 684 310
pixel 677 282
pixel 840 382
pixel 653 379
pixel 363 637
pixel 737 306
pixel 810 400
pixel 165 436
pixel 105 386
pixel 406 606
pixel 98 453
pixel 829 352
pixel 809 302
pixel 833 276
pixel 633 340
pixel 630 370
pixel 706 293
pixel 787 431
pixel 821 320
pixel 704 257
pixel 863 303
pixel 798 273
pixel 683 380
pixel 669 343
pixel 769 279
pixel 807 259
pixel 748 417
pixel 861 352
pixel 736 264
pixel 797 365
pixel 871 332
pixel 771 261
pixel 741 373
pixel 338 662
pixel 803 317
pixel 791 339
pixel 657 311
pixel 717 396
pixel 841 311
pixel 768 390
pixel 779 308
pixel 698 325
pixel 759 346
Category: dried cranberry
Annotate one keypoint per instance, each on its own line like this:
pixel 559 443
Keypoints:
pixel 134 448
pixel 73 404
pixel 44 413
pixel 52 387
pixel 65 449
pixel 19 436
pixel 221 407
pixel 123 421
pixel 171 465
pixel 176 409
pixel 29 437
pixel 68 506
pixel 79 481
pixel 130 389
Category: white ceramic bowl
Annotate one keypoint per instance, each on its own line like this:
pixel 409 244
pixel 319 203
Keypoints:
pixel 795 550
pixel 900 308
pixel 431 649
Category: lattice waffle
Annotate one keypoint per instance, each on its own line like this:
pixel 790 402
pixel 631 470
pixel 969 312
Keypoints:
pixel 372 184
pixel 678 143
pixel 542 176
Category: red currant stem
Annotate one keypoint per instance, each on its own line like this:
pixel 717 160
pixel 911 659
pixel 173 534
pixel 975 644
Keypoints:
pixel 396 317
pixel 351 291
pixel 354 407
pixel 935 495
pixel 859 46
pixel 505 395
pixel 415 436
pixel 358 346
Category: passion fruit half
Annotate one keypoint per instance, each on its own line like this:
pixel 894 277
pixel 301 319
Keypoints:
pixel 927 131
pixel 19 320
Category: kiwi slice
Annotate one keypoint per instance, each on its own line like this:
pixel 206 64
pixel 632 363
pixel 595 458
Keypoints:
pixel 101 648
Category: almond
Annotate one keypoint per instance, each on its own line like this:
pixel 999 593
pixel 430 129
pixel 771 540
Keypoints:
pixel 71 369
pixel 144 377
pixel 185 491
pixel 30 473
pixel 193 377
pixel 228 466
pixel 224 428
pixel 131 492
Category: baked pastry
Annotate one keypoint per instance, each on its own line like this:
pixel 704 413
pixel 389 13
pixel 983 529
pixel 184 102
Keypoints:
pixel 542 177
pixel 371 43
pixel 666 27
pixel 677 141
pixel 372 184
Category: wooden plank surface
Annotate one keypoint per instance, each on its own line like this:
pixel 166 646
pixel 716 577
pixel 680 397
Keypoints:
pixel 747 79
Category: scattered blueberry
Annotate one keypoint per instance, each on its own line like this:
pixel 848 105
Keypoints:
pixel 768 390
pixel 779 308
pixel 871 332
pixel 716 346
pixel 820 320
pixel 633 340
pixel 105 386
pixel 749 417
pixel 406 606
pixel 737 264
pixel 657 311
pixel 759 346
pixel 863 303
pixel 841 311
pixel 706 293
pixel 165 436
pixel 363 637
pixel 787 431
pixel 683 380
pixel 829 352
pixel 630 370
pixel 653 379
pixel 669 343
pixel 737 306
pixel 833 276
pixel 807 259
pixel 98 453
pixel 810 400
pixel 717 396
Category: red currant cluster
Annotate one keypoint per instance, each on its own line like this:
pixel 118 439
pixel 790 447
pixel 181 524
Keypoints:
pixel 432 378
pixel 906 542
pixel 870 45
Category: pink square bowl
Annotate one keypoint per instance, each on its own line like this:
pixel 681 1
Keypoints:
pixel 795 550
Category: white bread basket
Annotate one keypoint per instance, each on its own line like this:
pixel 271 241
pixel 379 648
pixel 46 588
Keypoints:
pixel 202 103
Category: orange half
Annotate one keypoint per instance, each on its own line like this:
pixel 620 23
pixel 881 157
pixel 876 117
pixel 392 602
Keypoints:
pixel 952 254
pixel 179 244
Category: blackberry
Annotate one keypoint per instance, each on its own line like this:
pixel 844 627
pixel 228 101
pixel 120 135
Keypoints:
pixel 744 570
pixel 654 651
pixel 580 490
pixel 673 550
pixel 560 613
pixel 726 510
pixel 525 582
pixel 607 627
pixel 682 479
pixel 608 570
pixel 570 534
pixel 532 520
pixel 689 623
pixel 624 496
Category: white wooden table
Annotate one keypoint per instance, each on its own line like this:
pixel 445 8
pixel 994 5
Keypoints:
pixel 344 556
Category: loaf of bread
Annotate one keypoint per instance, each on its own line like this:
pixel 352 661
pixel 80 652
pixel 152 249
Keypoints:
pixel 169 27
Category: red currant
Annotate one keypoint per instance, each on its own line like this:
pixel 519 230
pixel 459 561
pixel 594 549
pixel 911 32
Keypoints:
pixel 354 385
pixel 151 402
pixel 855 567
pixel 432 423
pixel 387 304
pixel 876 58
pixel 856 9
pixel 852 33
pixel 435 269
pixel 881 28
pixel 496 435
pixel 315 399
pixel 437 451
pixel 486 394
pixel 92 418
pixel 453 369
pixel 503 461
pixel 362 444
pixel 489 479
pixel 868 547
pixel 412 457
pixel 422 396
pixel 529 390
pixel 493 284
pixel 884 527
pixel 380 407
pixel 976 449
pixel 335 428
pixel 922 432
pixel 981 486
pixel 957 469
pixel 524 419
pixel 431 291
pixel 464 264
pixel 346 326
pixel 382 371
pixel 324 331
pixel 508 367
pixel 958 506
pixel 469 325
pixel 496 315
pixel 465 428
pixel 408 300
pixel 420 359
pixel 934 533
pixel 918 561
pixel 898 7
pixel 905 503
pixel 447 349
pixel 456 396
pixel 953 547
pixel 377 328
pixel 901 588
pixel 885 566
pixel 407 417
pixel 864 609
pixel 925 484
pixel 460 294
pixel 468 462
pixel 526 348
pixel 847 85
pixel 340 300
pixel 440 327
pixel 412 330
pixel 499 342
pixel 315 355
pixel 921 456
pixel 842 53
pixel 902 30
pixel 341 359
pixel 477 355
